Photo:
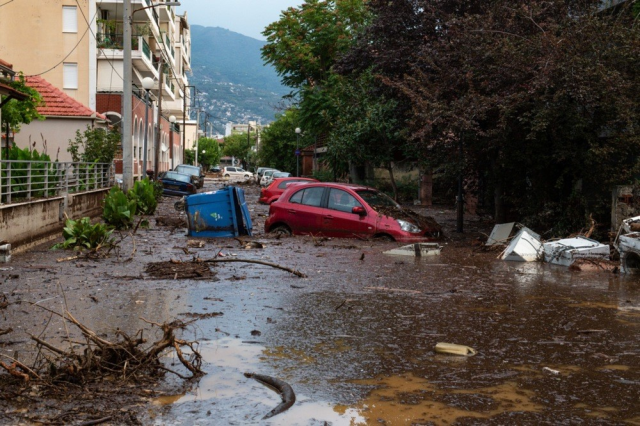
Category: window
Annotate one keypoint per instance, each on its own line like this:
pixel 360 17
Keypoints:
pixel 342 201
pixel 309 197
pixel 69 19
pixel 70 75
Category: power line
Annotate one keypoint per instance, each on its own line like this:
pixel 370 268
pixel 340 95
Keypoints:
pixel 4 4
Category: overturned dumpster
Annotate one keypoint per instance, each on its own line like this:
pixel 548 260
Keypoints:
pixel 628 244
pixel 221 213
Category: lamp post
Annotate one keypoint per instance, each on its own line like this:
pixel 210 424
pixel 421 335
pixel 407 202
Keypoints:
pixel 172 120
pixel 198 136
pixel 147 84
pixel 127 91
pixel 298 131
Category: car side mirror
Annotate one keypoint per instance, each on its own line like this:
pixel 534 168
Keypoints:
pixel 359 210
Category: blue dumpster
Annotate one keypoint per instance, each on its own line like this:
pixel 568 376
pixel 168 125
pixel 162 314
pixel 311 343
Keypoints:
pixel 221 213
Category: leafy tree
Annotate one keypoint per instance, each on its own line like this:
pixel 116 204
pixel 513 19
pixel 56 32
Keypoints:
pixel 238 145
pixel 541 95
pixel 278 143
pixel 95 145
pixel 189 156
pixel 211 150
pixel 15 112
pixel 304 43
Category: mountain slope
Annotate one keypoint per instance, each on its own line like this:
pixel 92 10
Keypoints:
pixel 233 83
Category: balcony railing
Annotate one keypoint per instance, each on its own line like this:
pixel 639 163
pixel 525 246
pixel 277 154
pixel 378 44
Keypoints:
pixel 146 50
pixel 27 180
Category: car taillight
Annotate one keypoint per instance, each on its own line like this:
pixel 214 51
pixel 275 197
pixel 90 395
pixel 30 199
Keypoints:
pixel 190 187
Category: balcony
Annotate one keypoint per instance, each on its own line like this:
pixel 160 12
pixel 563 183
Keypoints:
pixel 111 48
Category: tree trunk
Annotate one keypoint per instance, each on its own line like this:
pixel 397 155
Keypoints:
pixel 426 188
pixel 393 181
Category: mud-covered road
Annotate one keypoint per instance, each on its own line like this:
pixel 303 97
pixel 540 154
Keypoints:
pixel 355 339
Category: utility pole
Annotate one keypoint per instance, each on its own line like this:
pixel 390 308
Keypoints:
pixel 127 107
pixel 158 128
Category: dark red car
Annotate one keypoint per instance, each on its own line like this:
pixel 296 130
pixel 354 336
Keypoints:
pixel 272 192
pixel 347 211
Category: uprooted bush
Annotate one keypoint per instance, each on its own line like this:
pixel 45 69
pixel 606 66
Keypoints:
pixel 119 211
pixel 145 195
pixel 125 358
pixel 82 235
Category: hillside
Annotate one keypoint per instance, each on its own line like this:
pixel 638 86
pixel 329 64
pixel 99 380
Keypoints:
pixel 232 82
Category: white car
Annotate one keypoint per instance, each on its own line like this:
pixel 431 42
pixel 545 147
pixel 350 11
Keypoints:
pixel 236 173
pixel 266 177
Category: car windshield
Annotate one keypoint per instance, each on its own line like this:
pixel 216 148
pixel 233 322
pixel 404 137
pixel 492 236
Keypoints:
pixel 188 169
pixel 377 199
pixel 281 174
pixel 177 176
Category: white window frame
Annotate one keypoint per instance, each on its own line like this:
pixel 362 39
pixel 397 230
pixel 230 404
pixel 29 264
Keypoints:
pixel 70 75
pixel 69 19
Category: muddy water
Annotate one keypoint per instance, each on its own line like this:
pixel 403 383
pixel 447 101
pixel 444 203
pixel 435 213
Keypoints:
pixel 355 339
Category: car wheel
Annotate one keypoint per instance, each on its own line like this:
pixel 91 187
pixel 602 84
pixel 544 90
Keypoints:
pixel 281 230
pixel 384 237
pixel 227 175
pixel 246 177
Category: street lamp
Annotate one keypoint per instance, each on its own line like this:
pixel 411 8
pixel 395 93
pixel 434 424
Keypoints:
pixel 172 120
pixel 298 131
pixel 127 91
pixel 198 136
pixel 147 84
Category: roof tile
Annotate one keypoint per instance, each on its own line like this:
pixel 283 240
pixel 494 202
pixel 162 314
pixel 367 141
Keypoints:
pixel 57 103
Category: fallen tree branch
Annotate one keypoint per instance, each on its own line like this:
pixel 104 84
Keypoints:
pixel 283 388
pixel 259 262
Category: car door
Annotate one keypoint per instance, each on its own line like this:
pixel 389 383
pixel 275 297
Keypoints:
pixel 339 221
pixel 303 211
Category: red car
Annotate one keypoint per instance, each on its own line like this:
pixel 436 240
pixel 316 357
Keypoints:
pixel 347 211
pixel 272 192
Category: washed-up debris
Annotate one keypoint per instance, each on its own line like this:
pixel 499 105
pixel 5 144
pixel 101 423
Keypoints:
pixel 627 243
pixel 524 247
pixel 566 251
pixel 550 371
pixel 252 245
pixel 5 252
pixel 453 349
pixel 175 222
pixel 417 250
pixel 195 243
pixel 259 262
pixel 284 389
pixel 176 269
pixel 500 234
pixel 201 316
pixel 603 265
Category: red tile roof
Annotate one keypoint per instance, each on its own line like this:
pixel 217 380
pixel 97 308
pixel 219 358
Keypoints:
pixel 5 64
pixel 57 103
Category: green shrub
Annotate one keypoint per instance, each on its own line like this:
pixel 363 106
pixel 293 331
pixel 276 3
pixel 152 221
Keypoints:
pixel 144 194
pixel 44 174
pixel 323 175
pixel 119 211
pixel 81 234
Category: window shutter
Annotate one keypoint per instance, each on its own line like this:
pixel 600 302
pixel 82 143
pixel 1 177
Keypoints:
pixel 69 19
pixel 70 75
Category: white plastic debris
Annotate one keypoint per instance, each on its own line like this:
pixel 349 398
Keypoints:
pixel 524 247
pixel 417 250
pixel 500 233
pixel 566 251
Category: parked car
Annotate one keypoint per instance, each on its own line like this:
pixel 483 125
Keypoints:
pixel 258 175
pixel 266 176
pixel 347 211
pixel 174 183
pixel 236 172
pixel 215 169
pixel 195 171
pixel 272 192
pixel 276 174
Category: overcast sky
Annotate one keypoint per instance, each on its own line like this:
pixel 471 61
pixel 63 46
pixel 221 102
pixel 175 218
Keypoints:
pixel 248 17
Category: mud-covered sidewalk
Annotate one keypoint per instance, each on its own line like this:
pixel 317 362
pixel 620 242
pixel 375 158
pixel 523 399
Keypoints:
pixel 354 338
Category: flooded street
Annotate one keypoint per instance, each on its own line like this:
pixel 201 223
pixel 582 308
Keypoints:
pixel 355 339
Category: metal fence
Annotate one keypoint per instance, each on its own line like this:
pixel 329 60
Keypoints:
pixel 27 180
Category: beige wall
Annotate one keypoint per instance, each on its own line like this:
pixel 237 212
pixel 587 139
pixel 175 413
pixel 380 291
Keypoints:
pixel 56 132
pixel 31 39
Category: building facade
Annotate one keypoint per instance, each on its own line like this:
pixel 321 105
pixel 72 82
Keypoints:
pixel 78 47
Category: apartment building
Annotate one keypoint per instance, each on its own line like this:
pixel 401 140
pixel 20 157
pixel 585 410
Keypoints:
pixel 77 46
